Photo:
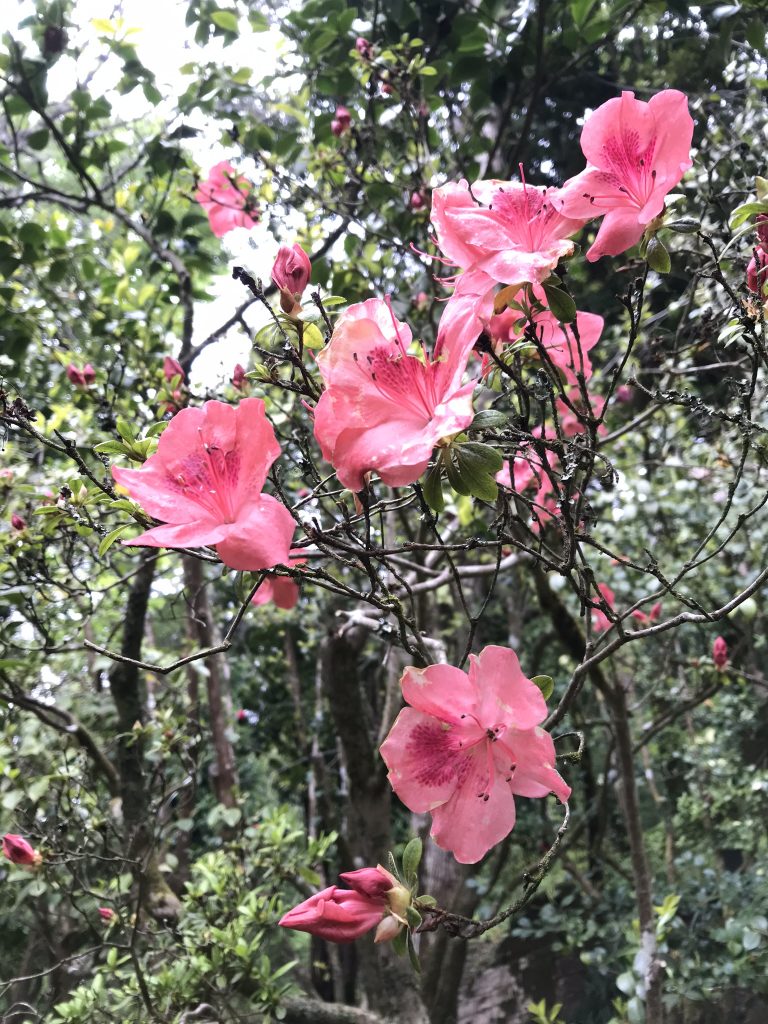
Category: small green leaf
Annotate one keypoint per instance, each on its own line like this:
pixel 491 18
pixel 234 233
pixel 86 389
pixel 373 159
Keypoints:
pixel 657 256
pixel 432 487
pixel 489 419
pixel 546 684
pixel 412 916
pixel 427 901
pixel 560 304
pixel 313 338
pixel 227 20
pixel 124 430
pixel 106 542
pixel 411 860
pixel 746 211
pixel 39 139
pixel 412 955
pixel 399 942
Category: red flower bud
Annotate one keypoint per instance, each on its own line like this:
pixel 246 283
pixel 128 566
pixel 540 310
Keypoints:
pixel 720 652
pixel 417 201
pixel 238 377
pixel 757 272
pixel 386 89
pixel 17 522
pixel 106 913
pixel 18 851
pixel 343 116
pixel 762 228
pixel 337 128
pixel 364 47
pixel 172 368
pixel 89 374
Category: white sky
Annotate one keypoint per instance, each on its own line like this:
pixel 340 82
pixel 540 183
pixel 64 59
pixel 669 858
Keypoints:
pixel 164 43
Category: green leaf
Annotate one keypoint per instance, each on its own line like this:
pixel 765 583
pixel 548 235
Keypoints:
pixel 428 901
pixel 489 419
pixel 227 20
pixel 746 211
pixel 412 916
pixel 313 337
pixel 106 542
pixel 411 860
pixel 412 955
pixel 658 257
pixel 483 456
pixel 685 225
pixel 560 304
pixel 546 684
pixel 39 139
pixel 399 942
pixel 432 487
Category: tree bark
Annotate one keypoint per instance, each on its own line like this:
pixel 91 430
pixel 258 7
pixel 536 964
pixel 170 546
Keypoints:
pixel 203 630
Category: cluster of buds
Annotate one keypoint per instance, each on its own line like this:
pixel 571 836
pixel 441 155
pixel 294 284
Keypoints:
pixel 342 119
pixel 376 899
pixel 757 271
pixel 19 852
pixel 291 272
pixel 81 378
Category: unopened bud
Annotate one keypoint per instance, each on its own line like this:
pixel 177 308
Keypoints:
pixel 18 522
pixel 720 652
pixel 389 928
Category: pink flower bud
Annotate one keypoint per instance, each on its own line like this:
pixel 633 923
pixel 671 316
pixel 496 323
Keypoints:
pixel 238 377
pixel 343 116
pixel 386 89
pixel 172 368
pixel 720 652
pixel 17 522
pixel 762 229
pixel 79 377
pixel 623 393
pixel 18 851
pixel 337 128
pixel 757 272
pixel 106 914
pixel 364 47
pixel 374 882
pixel 417 201
pixel 291 270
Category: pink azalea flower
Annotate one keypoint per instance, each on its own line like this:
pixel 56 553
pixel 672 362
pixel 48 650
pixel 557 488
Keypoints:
pixel 81 378
pixel 469 744
pixel 18 851
pixel 600 621
pixel 383 409
pixel 720 652
pixel 343 915
pixel 226 198
pixel 205 481
pixel 501 231
pixel 282 590
pixel 559 340
pixel 636 153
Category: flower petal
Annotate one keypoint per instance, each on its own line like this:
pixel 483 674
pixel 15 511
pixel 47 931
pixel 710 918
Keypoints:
pixel 260 538
pixel 506 695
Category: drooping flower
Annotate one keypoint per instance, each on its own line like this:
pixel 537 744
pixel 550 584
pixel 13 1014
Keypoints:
pixel 291 272
pixel 204 483
pixel 282 590
pixel 501 232
pixel 227 199
pixel 636 153
pixel 720 652
pixel 19 851
pixel 384 409
pixel 173 368
pixel 467 745
pixel 343 915
pixel 600 621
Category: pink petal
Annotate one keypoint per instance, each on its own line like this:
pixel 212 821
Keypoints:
pixel 619 231
pixel 443 691
pixel 507 697
pixel 184 535
pixel 424 760
pixel 468 825
pixel 260 538
pixel 533 753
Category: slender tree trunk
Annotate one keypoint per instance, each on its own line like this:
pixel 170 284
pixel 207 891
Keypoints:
pixel 204 632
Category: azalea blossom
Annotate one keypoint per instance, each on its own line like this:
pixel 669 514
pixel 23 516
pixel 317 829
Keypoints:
pixel 204 483
pixel 376 900
pixel 467 745
pixel 18 851
pixel 226 198
pixel 384 409
pixel 501 231
pixel 173 368
pixel 567 349
pixel 648 620
pixel 636 153
pixel 81 378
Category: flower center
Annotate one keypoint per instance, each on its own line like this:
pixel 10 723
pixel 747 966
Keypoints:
pixel 209 477
pixel 402 379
